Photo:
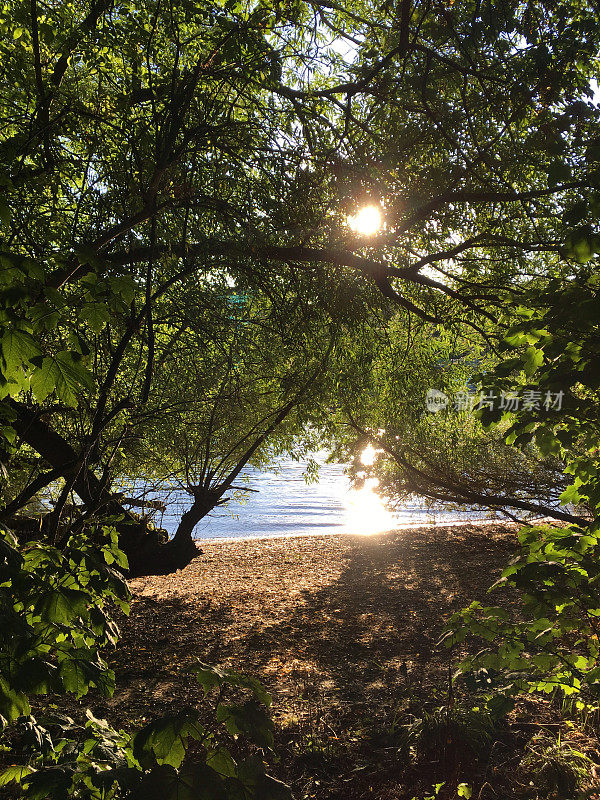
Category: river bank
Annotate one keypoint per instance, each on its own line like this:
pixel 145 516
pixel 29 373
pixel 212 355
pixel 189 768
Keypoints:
pixel 337 607
pixel 342 630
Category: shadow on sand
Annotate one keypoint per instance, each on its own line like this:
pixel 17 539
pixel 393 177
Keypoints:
pixel 360 626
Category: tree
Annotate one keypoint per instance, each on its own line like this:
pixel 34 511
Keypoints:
pixel 480 136
pixel 446 456
pixel 127 143
pixel 551 644
pixel 162 159
pixel 58 613
pixel 131 207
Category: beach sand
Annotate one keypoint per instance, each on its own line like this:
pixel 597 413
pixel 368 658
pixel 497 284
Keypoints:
pixel 340 608
pixel 341 629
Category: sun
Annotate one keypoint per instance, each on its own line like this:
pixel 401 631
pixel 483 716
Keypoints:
pixel 368 456
pixel 367 221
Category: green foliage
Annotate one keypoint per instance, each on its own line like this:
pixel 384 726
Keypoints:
pixel 550 643
pixel 96 762
pixel 462 790
pixel 165 739
pixel 555 347
pixel 28 358
pixel 56 619
pixel 209 676
pixel 179 296
pixel 444 457
pixel 553 766
pixel 453 733
pixel 436 790
pixel 56 616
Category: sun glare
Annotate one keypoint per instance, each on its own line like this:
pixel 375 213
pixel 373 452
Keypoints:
pixel 367 221
pixel 366 513
pixel 368 456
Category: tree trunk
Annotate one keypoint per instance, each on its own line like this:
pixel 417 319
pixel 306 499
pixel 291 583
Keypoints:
pixel 61 456
pixel 148 555
pixel 146 550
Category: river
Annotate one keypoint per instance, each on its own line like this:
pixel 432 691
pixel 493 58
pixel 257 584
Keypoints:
pixel 283 504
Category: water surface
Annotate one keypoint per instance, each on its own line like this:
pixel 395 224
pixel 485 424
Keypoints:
pixel 283 504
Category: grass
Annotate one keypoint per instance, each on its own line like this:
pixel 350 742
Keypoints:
pixel 553 766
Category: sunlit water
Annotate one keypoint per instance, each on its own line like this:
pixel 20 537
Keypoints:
pixel 285 505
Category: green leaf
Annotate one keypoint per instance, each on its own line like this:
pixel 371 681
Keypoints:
pixel 500 705
pixel 196 782
pixel 209 676
pixel 14 774
pixel 63 375
pixel 222 762
pixel 464 790
pixel 547 441
pixel 581 245
pixel 61 605
pixel 506 367
pixel 13 704
pixel 571 494
pixel 96 315
pixel 166 738
pixel 251 772
pixel 36 676
pixel 126 777
pixel 249 719
pixel 73 676
pixel 53 782
pixel 17 347
pixel 533 359
pixel 124 286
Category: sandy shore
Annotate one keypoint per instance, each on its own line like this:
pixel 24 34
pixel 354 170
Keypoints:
pixel 342 630
pixel 350 615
